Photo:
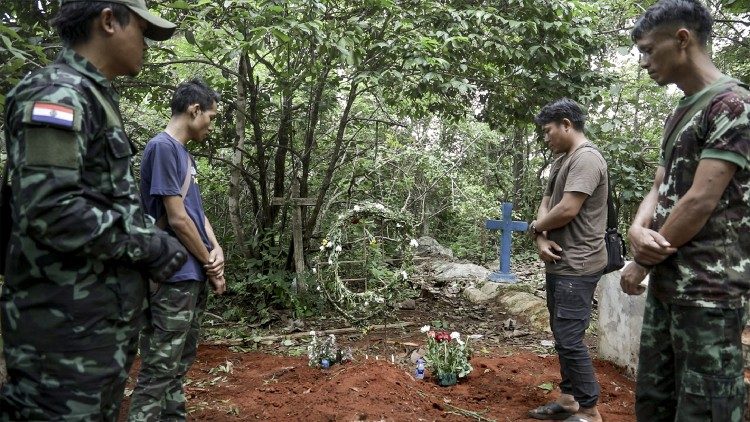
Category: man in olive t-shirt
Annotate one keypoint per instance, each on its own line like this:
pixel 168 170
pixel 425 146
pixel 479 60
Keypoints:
pixel 569 232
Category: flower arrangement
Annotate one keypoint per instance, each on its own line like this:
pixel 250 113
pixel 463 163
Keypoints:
pixel 325 352
pixel 447 356
pixel 385 234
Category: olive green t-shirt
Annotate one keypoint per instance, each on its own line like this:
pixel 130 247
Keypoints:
pixel 582 239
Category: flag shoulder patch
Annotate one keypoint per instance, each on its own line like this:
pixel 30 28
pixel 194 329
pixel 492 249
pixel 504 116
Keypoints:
pixel 56 115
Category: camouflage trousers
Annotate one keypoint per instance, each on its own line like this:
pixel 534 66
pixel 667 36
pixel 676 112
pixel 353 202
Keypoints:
pixel 168 347
pixel 84 385
pixel 690 365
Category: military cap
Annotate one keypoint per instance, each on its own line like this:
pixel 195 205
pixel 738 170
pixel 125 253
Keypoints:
pixel 159 29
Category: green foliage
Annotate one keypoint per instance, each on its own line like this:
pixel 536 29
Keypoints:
pixel 25 39
pixel 424 106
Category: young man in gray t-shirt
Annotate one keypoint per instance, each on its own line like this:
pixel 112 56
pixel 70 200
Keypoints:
pixel 569 232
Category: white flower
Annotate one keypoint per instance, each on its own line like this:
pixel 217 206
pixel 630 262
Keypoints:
pixel 317 288
pixel 329 244
pixel 312 333
pixel 367 303
pixel 381 207
pixel 425 328
pixel 398 225
pixel 414 243
pixel 315 270
pixel 330 261
pixel 404 275
pixel 455 335
pixel 322 248
pixel 338 248
pixel 357 208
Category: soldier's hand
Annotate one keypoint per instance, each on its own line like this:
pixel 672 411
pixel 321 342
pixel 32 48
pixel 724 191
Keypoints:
pixel 648 246
pixel 165 255
pixel 631 278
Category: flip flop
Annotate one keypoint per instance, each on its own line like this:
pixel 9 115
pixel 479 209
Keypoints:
pixel 550 411
pixel 576 419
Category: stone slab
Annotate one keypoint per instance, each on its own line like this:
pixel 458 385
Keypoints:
pixel 620 320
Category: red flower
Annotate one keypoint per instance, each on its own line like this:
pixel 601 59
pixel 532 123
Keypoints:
pixel 442 336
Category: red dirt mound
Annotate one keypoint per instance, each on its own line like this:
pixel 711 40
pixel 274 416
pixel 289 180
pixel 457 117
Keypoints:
pixel 266 387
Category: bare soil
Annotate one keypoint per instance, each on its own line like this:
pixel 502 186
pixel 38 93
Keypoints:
pixel 503 387
pixel 513 371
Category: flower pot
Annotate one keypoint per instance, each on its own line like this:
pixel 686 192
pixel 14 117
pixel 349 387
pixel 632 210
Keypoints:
pixel 446 380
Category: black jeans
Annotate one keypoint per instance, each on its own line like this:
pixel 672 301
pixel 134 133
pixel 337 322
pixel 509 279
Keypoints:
pixel 569 302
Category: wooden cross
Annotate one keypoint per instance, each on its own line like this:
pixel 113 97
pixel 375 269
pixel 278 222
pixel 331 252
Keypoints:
pixel 297 203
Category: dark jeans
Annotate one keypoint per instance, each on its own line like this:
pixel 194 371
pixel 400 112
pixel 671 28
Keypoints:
pixel 569 302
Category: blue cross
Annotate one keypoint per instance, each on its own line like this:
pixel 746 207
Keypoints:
pixel 506 226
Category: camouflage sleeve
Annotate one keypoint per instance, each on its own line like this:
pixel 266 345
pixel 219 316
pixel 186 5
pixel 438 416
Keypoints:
pixel 48 132
pixel 729 129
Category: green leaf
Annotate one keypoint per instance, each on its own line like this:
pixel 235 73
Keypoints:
pixel 281 36
pixel 190 37
pixel 179 4
pixel 547 386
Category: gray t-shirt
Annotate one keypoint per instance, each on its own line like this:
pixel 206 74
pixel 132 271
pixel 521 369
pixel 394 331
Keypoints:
pixel 582 240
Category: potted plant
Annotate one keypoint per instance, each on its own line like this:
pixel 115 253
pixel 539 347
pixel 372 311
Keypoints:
pixel 447 356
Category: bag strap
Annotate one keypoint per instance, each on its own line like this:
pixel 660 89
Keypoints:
pixel 163 221
pixel 682 119
pixel 612 211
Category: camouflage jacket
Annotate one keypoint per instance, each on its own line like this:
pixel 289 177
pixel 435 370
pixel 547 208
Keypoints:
pixel 713 268
pixel 77 221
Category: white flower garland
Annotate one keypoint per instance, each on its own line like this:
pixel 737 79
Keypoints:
pixel 379 297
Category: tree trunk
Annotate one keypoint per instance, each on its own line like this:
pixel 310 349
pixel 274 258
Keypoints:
pixel 235 191
pixel 518 165
pixel 335 155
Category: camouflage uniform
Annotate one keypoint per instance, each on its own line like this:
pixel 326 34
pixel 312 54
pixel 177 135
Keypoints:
pixel 696 295
pixel 169 344
pixel 72 303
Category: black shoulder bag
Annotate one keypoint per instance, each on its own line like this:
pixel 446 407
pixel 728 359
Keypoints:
pixel 612 238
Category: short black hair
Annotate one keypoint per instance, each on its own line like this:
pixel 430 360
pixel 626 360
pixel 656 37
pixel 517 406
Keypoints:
pixel 691 14
pixel 194 91
pixel 73 20
pixel 563 108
